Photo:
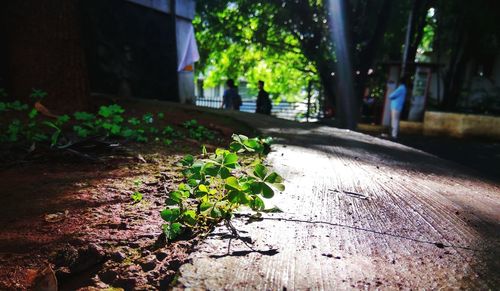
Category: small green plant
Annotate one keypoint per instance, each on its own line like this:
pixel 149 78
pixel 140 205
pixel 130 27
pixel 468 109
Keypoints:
pixel 148 118
pixel 13 106
pixel 134 130
pixel 13 131
pixel 32 131
pixel 57 127
pixel 215 186
pixel 86 124
pixel 198 132
pixel 137 195
pixel 257 145
pixel 38 94
pixel 110 119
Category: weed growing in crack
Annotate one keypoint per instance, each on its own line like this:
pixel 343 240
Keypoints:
pixel 137 195
pixel 217 184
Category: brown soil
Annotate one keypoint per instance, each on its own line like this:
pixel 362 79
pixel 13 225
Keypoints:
pixel 77 216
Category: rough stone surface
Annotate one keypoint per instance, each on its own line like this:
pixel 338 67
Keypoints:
pixel 88 256
pixel 118 256
pixel 161 255
pixel 148 263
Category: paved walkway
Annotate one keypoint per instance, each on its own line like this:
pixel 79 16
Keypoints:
pixel 358 212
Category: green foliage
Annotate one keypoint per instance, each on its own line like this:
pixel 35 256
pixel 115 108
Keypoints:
pixel 242 143
pixel 198 132
pixel 12 106
pixel 218 184
pixel 13 131
pixel 86 125
pixel 109 121
pixel 57 128
pixel 38 94
pixel 252 39
pixel 137 197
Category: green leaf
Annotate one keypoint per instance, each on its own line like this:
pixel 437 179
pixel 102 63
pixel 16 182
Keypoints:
pixel 256 187
pixel 279 186
pixel 273 178
pixel 62 119
pixel 267 192
pixel 232 183
pixel 260 171
pixel 170 214
pixel 137 197
pixel 252 144
pixel 230 159
pixel 168 130
pixel 203 188
pixel 175 197
pixel 184 187
pixel 33 113
pixel 189 217
pixel 38 94
pixel 257 204
pixel 84 116
pixel 216 213
pixel 239 137
pixel 224 172
pixel 188 160
pixel 210 169
pixel 235 196
pixel 204 206
pixel 172 230
pixel 55 137
pixel 192 182
pixel 235 147
pixel 148 118
pixel 51 124
pixel 134 121
pixel 115 129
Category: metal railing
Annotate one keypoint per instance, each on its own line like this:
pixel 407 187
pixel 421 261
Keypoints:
pixel 298 111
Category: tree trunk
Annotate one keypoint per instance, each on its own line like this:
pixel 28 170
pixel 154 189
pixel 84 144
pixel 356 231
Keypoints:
pixel 419 22
pixel 368 55
pixel 328 85
pixel 44 51
pixel 453 77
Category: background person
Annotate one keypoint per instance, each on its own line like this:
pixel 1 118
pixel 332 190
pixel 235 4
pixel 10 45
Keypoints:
pixel 264 105
pixel 397 98
pixel 231 99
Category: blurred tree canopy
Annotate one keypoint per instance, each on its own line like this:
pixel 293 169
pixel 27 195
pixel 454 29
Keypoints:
pixel 241 39
pixel 288 43
pixel 466 31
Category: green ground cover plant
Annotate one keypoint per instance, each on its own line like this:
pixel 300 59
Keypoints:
pixel 25 124
pixel 197 131
pixel 218 184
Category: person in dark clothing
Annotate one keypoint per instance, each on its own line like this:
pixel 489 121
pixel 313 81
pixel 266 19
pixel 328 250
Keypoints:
pixel 264 105
pixel 231 99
